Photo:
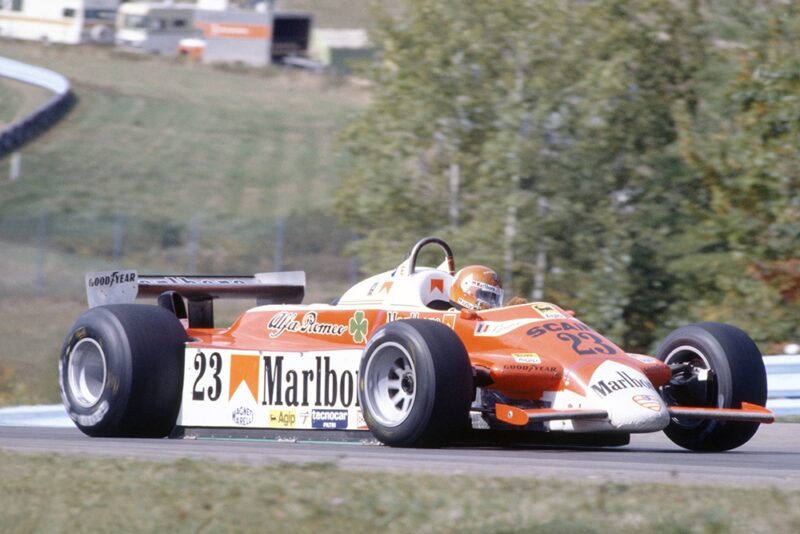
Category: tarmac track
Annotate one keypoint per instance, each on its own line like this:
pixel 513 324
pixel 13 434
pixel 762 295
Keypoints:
pixel 771 458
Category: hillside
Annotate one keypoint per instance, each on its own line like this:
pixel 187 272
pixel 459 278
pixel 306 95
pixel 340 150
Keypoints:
pixel 164 166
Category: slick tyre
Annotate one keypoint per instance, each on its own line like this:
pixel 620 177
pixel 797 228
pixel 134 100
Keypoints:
pixel 726 369
pixel 415 384
pixel 121 371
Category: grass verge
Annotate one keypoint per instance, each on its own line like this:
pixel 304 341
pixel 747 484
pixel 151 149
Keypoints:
pixel 18 99
pixel 60 494
pixel 42 294
pixel 10 101
pixel 159 137
pixel 163 166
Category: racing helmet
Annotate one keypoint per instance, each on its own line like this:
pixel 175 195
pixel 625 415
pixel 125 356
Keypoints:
pixel 476 287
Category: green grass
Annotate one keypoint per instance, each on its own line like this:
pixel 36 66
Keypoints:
pixel 69 494
pixel 18 99
pixel 10 102
pixel 158 137
pixel 42 293
pixel 198 162
pixel 167 145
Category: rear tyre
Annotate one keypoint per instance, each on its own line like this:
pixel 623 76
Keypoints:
pixel 415 384
pixel 721 368
pixel 121 371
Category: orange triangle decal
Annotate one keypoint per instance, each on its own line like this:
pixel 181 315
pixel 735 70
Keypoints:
pixel 437 283
pixel 244 368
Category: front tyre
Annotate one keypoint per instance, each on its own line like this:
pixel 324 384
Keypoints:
pixel 415 383
pixel 717 366
pixel 121 371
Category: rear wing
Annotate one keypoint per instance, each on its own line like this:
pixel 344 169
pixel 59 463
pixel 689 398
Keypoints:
pixel 119 287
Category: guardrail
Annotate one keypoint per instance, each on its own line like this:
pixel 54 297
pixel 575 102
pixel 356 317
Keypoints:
pixel 17 134
pixel 783 384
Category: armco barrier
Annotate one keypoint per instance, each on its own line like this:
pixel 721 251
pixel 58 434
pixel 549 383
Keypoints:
pixel 25 129
pixel 783 384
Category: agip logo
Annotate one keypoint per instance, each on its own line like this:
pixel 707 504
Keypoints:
pixel 282 419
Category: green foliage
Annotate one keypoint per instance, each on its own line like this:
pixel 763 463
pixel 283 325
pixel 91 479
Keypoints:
pixel 59 493
pixel 639 157
pixel 10 102
pixel 744 252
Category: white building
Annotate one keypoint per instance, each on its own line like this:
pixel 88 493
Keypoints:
pixel 155 26
pixel 212 31
pixel 58 21
pixel 341 49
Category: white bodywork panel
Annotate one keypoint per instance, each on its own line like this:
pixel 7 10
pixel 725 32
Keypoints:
pixel 403 291
pixel 632 403
pixel 111 287
pixel 279 390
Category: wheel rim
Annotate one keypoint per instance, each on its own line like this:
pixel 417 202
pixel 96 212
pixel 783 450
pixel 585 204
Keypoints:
pixel 86 372
pixel 683 395
pixel 391 384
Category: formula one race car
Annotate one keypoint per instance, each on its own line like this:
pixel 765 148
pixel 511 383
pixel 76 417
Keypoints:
pixel 395 357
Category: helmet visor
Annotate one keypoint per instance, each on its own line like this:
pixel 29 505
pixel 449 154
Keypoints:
pixel 492 298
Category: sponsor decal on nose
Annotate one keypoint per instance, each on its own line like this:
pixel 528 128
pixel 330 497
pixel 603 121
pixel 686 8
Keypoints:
pixel 651 402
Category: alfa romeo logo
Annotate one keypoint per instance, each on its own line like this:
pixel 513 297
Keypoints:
pixel 358 327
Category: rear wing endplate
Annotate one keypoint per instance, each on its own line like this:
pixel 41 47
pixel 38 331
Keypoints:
pixel 120 287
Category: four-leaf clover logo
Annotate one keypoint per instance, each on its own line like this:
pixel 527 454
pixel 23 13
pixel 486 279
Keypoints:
pixel 358 327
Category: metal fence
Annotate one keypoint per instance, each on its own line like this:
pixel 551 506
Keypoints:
pixel 17 134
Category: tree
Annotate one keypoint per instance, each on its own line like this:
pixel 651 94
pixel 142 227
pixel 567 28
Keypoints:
pixel 554 140
pixel 744 252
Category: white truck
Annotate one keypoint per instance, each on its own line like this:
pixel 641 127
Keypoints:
pixel 156 27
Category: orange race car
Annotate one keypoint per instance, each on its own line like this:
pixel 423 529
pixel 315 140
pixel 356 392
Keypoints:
pixel 398 356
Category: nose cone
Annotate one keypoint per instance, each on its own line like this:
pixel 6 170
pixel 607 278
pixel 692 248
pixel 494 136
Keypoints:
pixel 632 403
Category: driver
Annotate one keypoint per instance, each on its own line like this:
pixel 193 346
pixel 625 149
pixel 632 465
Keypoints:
pixel 476 287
